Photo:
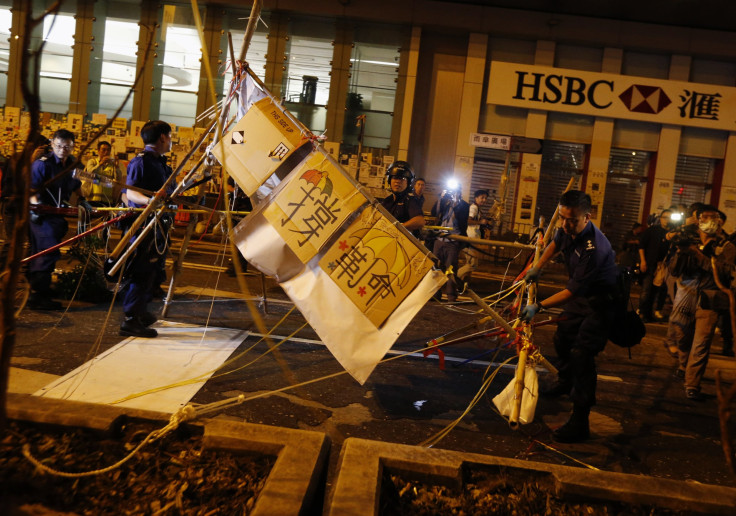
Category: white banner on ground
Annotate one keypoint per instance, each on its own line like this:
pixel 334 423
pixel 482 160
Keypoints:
pixel 181 352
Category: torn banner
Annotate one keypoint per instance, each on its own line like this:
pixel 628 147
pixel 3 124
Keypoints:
pixel 357 277
pixel 356 274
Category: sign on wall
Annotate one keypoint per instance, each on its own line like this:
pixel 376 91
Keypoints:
pixel 615 96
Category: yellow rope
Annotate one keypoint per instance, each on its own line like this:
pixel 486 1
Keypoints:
pixel 176 419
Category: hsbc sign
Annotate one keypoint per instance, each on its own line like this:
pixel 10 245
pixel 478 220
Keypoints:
pixel 613 96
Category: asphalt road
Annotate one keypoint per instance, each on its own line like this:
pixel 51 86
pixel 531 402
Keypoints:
pixel 642 424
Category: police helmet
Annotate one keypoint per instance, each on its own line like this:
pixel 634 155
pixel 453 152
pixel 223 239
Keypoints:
pixel 400 169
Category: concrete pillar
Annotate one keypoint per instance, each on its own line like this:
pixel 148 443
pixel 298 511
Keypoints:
pixel 278 38
pixel 212 35
pixel 600 148
pixel 531 164
pixel 145 95
pixel 727 199
pixel 14 93
pixel 339 82
pixel 472 92
pixel 406 87
pixel 669 145
pixel 82 55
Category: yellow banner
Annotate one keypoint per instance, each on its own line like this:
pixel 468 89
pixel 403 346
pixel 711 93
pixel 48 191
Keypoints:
pixel 312 205
pixel 375 264
pixel 257 145
pixel 613 96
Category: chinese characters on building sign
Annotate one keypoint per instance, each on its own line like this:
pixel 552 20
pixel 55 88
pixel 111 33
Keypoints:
pixel 490 141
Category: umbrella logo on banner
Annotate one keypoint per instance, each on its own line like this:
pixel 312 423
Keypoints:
pixel 238 137
pixel 389 256
pixel 375 264
pixel 320 179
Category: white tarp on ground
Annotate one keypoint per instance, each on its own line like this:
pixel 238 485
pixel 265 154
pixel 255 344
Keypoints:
pixel 180 352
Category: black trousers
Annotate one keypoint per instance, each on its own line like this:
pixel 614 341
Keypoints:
pixel 578 339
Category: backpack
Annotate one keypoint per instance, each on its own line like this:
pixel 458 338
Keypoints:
pixel 628 329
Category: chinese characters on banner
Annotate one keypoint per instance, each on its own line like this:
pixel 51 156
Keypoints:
pixel 258 144
pixel 375 264
pixel 314 201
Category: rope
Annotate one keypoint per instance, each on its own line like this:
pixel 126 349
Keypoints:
pixel 183 414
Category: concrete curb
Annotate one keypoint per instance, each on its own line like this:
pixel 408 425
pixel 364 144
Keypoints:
pixel 293 486
pixel 358 485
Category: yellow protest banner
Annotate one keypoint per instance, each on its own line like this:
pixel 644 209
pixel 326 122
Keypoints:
pixel 375 264
pixel 261 140
pixel 313 203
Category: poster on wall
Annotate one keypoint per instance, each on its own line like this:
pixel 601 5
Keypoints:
pixel 526 196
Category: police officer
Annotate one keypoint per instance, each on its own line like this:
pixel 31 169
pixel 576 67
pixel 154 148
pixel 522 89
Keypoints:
pixel 588 298
pixel 149 171
pixel 400 204
pixel 48 228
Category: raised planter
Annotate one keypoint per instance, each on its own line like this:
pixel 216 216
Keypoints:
pixel 294 484
pixel 361 466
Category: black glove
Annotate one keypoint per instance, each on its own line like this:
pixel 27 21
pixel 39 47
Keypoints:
pixel 532 274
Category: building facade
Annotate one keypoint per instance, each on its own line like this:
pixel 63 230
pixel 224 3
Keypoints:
pixel 641 114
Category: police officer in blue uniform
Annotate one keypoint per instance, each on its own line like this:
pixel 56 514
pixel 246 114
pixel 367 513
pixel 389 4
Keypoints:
pixel 404 207
pixel 47 228
pixel 589 299
pixel 149 171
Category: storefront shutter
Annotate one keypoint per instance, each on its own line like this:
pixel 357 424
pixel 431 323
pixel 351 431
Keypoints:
pixel 693 178
pixel 488 168
pixel 627 173
pixel 560 161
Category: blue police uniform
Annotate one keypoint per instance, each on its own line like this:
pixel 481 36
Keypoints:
pixel 48 230
pixel 589 314
pixel 148 170
pixel 403 207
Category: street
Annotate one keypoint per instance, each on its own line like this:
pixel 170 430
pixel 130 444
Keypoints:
pixel 642 423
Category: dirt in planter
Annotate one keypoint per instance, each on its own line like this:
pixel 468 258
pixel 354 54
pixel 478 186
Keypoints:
pixel 492 492
pixel 173 475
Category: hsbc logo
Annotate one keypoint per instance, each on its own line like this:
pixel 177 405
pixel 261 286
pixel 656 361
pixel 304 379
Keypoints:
pixel 562 89
pixel 575 91
pixel 645 99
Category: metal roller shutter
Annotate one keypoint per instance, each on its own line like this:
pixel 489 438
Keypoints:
pixel 627 173
pixel 560 161
pixel 488 166
pixel 693 178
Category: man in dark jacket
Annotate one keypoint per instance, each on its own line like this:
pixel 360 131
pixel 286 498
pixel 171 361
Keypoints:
pixel 653 247
pixel 452 212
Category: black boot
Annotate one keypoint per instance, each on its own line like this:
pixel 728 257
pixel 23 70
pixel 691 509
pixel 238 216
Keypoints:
pixel 577 428
pixel 562 387
pixel 133 327
pixel 147 318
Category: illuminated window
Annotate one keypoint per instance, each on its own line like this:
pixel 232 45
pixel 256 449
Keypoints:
pixel 181 65
pixel 56 62
pixel 6 21
pixel 236 21
pixel 372 91
pixel 118 65
pixel 306 86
